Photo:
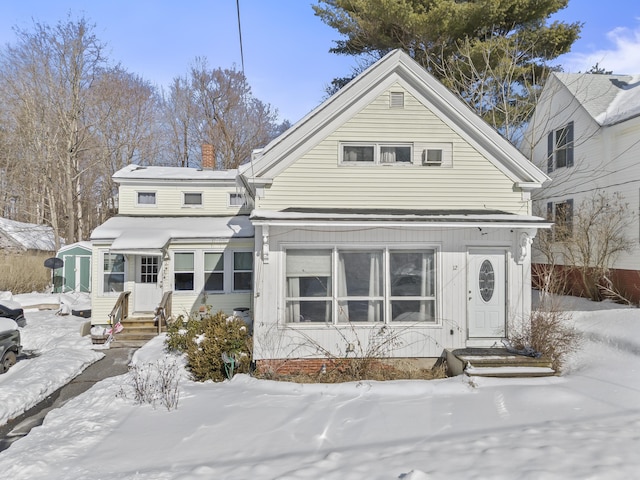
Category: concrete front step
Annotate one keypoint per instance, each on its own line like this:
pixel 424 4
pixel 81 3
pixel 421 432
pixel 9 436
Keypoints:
pixel 496 362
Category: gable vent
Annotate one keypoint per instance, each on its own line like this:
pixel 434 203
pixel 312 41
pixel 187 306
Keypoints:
pixel 396 100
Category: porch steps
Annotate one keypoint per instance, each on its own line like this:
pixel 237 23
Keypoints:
pixel 496 362
pixel 137 331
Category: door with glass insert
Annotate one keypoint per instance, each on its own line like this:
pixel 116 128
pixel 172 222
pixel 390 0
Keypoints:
pixel 148 293
pixel 486 284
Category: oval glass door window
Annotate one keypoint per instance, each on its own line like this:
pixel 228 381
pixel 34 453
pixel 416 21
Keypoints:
pixel 486 280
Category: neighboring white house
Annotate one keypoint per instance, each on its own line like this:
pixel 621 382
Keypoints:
pixel 179 230
pixel 390 205
pixel 585 133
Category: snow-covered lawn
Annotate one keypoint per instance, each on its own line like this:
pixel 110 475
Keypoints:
pixel 585 424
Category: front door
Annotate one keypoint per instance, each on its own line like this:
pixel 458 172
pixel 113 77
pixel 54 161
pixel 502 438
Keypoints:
pixel 487 299
pixel 148 292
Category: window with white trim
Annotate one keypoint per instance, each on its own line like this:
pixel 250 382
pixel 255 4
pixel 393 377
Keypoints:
pixel 365 286
pixel 183 271
pixel 145 199
pixel 376 153
pixel 236 199
pixel 214 271
pixel 192 199
pixel 561 213
pixel 242 271
pixel 112 272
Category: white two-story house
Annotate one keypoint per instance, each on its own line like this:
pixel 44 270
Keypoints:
pixel 585 134
pixel 390 217
pixel 179 230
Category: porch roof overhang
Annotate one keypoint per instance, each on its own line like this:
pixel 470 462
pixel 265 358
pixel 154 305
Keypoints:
pixel 391 217
pixel 151 235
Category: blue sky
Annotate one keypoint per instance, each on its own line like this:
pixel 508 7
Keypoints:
pixel 285 45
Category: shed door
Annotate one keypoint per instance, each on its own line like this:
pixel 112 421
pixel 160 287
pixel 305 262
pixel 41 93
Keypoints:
pixel 148 293
pixel 487 299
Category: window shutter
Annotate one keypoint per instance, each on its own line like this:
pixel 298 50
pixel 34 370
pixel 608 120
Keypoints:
pixel 549 211
pixel 550 152
pixel 570 144
pixel 569 203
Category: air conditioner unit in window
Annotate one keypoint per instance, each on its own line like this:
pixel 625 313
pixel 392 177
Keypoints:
pixel 432 157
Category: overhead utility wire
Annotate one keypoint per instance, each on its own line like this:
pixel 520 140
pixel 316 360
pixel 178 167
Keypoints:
pixel 240 35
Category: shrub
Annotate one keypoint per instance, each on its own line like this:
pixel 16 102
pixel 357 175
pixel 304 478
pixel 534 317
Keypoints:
pixel 206 340
pixel 550 333
pixel 153 383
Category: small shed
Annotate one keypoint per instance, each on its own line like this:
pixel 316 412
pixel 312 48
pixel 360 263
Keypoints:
pixel 75 274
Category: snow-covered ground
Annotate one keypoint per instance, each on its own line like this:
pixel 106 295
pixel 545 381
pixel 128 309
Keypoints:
pixel 584 424
pixel 55 351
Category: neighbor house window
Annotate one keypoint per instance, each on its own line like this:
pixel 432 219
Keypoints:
pixel 192 199
pixel 372 286
pixel 242 271
pixel 113 273
pixel 236 199
pixel 377 153
pixel 146 198
pixel 183 271
pixel 561 213
pixel 214 271
pixel 560 148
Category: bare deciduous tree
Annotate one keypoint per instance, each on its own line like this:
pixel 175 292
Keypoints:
pixel 588 243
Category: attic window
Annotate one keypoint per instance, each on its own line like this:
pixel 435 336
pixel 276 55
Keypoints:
pixel 436 154
pixel 396 100
pixel 192 199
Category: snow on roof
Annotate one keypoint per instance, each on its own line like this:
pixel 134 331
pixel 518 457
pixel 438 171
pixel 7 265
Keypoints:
pixel 28 235
pixel 609 99
pixel 137 172
pixel 153 233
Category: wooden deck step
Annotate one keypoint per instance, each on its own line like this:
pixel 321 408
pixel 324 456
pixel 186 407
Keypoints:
pixel 496 362
pixel 137 331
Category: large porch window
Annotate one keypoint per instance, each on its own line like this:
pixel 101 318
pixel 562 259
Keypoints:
pixel 373 286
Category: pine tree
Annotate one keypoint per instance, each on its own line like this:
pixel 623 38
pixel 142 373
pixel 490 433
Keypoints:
pixel 494 54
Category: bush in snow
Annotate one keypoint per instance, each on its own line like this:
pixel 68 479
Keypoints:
pixel 154 383
pixel 217 346
pixel 549 331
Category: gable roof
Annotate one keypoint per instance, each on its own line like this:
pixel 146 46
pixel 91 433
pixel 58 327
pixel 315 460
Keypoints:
pixel 395 67
pixel 609 99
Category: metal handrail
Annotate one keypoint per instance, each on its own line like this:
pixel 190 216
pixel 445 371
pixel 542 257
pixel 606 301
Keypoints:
pixel 163 312
pixel 120 309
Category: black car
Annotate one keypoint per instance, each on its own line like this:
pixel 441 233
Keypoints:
pixel 16 314
pixel 10 346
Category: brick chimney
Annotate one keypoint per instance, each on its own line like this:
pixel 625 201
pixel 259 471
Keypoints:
pixel 208 157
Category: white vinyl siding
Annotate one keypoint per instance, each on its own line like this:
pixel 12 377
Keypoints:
pixel 169 200
pixel 318 179
pixel 444 292
pixel 183 302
